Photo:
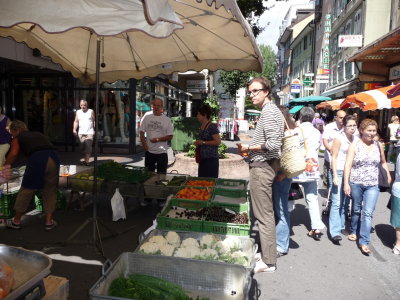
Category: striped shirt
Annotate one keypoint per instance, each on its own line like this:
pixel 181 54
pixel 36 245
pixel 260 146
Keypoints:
pixel 269 133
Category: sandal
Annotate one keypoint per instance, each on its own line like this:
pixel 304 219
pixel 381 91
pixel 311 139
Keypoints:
pixel 364 250
pixel 48 227
pixel 396 250
pixel 315 235
pixel 352 237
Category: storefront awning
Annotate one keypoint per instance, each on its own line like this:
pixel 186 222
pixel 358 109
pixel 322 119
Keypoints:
pixel 295 109
pixel 385 50
pixel 338 89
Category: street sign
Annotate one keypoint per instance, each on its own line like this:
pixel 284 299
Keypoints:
pixel 307 81
pixel 295 88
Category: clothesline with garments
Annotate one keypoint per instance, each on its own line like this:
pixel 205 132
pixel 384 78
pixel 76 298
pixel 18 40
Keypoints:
pixel 228 128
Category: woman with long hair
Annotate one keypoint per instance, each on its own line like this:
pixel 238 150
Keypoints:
pixel 361 173
pixel 280 194
pixel 340 202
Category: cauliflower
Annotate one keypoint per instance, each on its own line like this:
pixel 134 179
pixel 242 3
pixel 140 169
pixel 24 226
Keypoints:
pixel 222 248
pixel 209 254
pixel 233 243
pixel 240 258
pixel 159 240
pixel 150 248
pixel 208 241
pixel 167 250
pixel 190 242
pixel 187 252
pixel 173 238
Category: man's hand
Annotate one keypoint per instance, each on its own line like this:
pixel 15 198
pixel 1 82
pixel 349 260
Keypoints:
pixel 5 174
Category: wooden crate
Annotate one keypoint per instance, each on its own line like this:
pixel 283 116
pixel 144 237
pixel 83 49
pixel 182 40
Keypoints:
pixel 57 288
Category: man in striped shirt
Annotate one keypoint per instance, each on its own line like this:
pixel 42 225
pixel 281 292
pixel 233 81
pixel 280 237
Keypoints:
pixel 264 152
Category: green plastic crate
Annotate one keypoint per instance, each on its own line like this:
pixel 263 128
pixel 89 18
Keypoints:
pixel 228 228
pixel 7 202
pixel 227 197
pixel 60 204
pixel 201 178
pixel 167 223
pixel 232 183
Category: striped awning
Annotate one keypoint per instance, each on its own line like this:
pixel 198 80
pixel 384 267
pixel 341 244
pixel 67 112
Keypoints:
pixel 372 100
pixel 295 109
pixel 332 104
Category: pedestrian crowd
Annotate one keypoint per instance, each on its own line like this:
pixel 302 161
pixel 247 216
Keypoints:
pixel 354 164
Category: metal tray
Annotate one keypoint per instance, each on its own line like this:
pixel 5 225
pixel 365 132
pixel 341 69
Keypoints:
pixel 29 268
pixel 198 278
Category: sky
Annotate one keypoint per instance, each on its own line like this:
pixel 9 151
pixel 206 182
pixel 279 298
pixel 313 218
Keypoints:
pixel 271 19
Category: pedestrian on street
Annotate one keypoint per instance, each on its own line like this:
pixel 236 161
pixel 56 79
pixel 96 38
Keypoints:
pixel 208 140
pixel 280 194
pixel 309 178
pixel 41 173
pixel 395 208
pixel 393 127
pixel 5 137
pixel 264 152
pixel 361 174
pixel 340 202
pixel 85 121
pixel 330 132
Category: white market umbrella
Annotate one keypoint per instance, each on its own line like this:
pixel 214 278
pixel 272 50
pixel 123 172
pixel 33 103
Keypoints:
pixel 139 38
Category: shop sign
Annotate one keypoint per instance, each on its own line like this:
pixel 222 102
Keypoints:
pixel 350 41
pixel 394 73
pixel 325 44
pixel 372 86
pixel 307 81
pixel 308 88
pixel 295 88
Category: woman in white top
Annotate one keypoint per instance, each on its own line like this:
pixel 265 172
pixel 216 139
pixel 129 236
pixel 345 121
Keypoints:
pixel 393 127
pixel 309 178
pixel 340 203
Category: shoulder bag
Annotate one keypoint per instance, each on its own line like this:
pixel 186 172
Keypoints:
pixel 382 178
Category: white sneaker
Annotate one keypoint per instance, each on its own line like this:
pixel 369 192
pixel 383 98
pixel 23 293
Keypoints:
pixel 257 256
pixel 396 250
pixel 263 267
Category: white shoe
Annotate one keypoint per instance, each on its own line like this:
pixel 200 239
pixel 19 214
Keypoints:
pixel 396 250
pixel 263 267
pixel 257 256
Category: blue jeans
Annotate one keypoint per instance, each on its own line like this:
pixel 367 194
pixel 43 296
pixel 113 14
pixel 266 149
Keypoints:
pixel 339 207
pixel 311 194
pixel 364 203
pixel 280 195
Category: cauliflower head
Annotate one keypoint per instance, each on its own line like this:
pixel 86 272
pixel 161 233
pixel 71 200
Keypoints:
pixel 190 242
pixel 208 241
pixel 187 252
pixel 173 238
pixel 233 243
pixel 209 254
pixel 159 240
pixel 222 247
pixel 240 258
pixel 167 250
pixel 150 248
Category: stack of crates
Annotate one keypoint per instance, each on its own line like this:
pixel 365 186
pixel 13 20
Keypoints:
pixel 7 201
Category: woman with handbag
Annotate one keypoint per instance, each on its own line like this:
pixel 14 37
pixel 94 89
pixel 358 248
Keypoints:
pixel 207 144
pixel 280 194
pixel 361 178
pixel 309 178
pixel 340 202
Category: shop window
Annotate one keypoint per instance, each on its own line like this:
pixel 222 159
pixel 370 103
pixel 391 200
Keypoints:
pixel 349 70
pixel 347 29
pixel 357 22
pixel 340 71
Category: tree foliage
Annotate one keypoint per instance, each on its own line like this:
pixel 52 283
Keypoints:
pixel 252 10
pixel 212 101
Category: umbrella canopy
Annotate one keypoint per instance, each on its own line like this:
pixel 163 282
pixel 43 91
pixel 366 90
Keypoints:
pixel 307 99
pixel 332 104
pixel 142 106
pixel 139 37
pixel 372 100
pixel 295 109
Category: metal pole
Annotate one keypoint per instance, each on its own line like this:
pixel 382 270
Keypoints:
pixel 96 135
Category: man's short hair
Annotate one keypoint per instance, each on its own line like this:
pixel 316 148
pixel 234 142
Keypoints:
pixel 316 115
pixel 306 114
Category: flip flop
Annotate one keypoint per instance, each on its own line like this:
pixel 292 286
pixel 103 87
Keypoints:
pixel 352 237
pixel 365 250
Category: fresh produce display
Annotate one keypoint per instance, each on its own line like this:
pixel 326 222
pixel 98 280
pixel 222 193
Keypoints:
pixel 194 194
pixel 208 247
pixel 194 182
pixel 119 172
pixel 84 181
pixel 6 279
pixel 145 287
pixel 183 213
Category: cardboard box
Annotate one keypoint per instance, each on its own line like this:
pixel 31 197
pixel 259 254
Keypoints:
pixel 57 288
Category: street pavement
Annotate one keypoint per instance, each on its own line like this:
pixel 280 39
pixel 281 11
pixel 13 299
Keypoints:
pixel 311 270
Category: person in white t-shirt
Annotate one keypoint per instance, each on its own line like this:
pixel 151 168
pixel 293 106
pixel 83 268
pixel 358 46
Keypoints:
pixel 156 131
pixel 393 127
pixel 84 120
pixel 330 132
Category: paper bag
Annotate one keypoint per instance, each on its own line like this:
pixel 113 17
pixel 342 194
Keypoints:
pixel 118 206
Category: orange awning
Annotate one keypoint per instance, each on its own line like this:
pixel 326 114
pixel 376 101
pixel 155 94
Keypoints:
pixel 331 104
pixel 372 100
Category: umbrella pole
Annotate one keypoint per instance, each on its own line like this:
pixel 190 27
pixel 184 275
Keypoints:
pixel 94 220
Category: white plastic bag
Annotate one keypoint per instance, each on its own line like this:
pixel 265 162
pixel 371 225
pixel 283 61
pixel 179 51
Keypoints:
pixel 118 206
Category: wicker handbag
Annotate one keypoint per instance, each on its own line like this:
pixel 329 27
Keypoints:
pixel 293 155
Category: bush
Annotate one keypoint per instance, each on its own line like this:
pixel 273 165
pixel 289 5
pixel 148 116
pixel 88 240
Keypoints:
pixel 221 151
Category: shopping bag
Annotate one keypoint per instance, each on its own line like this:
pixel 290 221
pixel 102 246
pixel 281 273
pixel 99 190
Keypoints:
pixel 118 206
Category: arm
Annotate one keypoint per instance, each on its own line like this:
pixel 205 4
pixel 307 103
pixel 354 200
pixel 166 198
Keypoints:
pixel 326 144
pixel 94 119
pixel 347 168
pixel 335 151
pixel 143 141
pixel 384 164
pixel 13 153
pixel 76 124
